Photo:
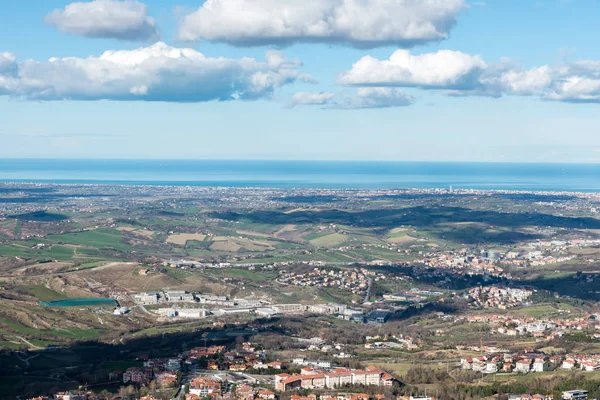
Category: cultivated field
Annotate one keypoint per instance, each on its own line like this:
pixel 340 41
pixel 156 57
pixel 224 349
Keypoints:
pixel 182 238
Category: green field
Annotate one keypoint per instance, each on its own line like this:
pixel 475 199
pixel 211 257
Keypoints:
pixel 314 236
pixel 251 275
pixel 7 326
pixel 535 311
pixel 42 293
pixel 99 238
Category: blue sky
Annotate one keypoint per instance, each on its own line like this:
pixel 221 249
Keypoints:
pixel 413 106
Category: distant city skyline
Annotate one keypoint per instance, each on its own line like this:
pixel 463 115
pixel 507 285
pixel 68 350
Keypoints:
pixel 381 80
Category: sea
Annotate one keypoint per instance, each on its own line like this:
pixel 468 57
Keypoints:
pixel 307 174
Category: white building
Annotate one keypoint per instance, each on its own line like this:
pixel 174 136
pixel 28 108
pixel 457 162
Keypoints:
pixel 121 311
pixel 523 366
pixel 491 368
pixel 174 364
pixel 191 313
pixel 176 296
pixel 289 308
pixel 590 366
pixel 216 300
pixel 147 298
pixel 575 394
pixel 265 312
pixel 539 365
pixel 568 364
pixel 166 312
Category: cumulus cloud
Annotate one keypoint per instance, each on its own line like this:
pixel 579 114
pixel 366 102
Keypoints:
pixel 155 73
pixel 444 69
pixel 459 74
pixel 124 20
pixel 577 82
pixel 376 97
pixel 8 68
pixel 311 98
pixel 358 23
pixel 526 82
pixel 7 61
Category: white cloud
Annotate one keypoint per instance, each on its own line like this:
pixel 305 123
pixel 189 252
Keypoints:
pixel 359 23
pixel 576 89
pixel 368 97
pixel 8 69
pixel 526 82
pixel 444 69
pixel 124 20
pixel 155 73
pixel 577 82
pixel 7 61
pixel 459 74
pixel 376 97
pixel 311 98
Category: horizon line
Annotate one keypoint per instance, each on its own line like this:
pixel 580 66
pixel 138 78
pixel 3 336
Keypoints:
pixel 298 160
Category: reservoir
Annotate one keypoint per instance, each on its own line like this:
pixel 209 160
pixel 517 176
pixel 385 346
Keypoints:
pixel 80 302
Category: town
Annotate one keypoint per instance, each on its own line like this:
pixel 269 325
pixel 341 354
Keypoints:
pixel 299 293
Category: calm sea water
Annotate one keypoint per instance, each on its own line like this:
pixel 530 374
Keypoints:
pixel 308 174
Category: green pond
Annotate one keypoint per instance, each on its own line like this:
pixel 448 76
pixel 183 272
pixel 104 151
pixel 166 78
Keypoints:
pixel 80 302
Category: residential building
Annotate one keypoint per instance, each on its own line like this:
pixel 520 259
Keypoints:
pixel 568 364
pixel 523 366
pixel 539 365
pixel 309 378
pixel 136 375
pixel 205 387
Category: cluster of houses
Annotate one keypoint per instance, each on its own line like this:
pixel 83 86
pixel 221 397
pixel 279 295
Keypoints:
pixel 332 396
pixel 585 362
pixel 413 295
pixel 566 395
pixel 544 329
pixel 491 262
pixel 355 281
pixel 462 262
pixel 528 396
pixel 313 378
pixel 498 297
pixel 203 387
pixel 248 357
pixel 392 341
pixel 517 363
pixel 164 370
pixel 537 258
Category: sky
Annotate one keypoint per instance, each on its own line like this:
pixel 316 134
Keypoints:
pixel 399 80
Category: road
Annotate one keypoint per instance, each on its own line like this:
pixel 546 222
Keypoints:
pixel 368 294
pixel 27 342
pixel 26 360
pixel 141 307
pixel 180 395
